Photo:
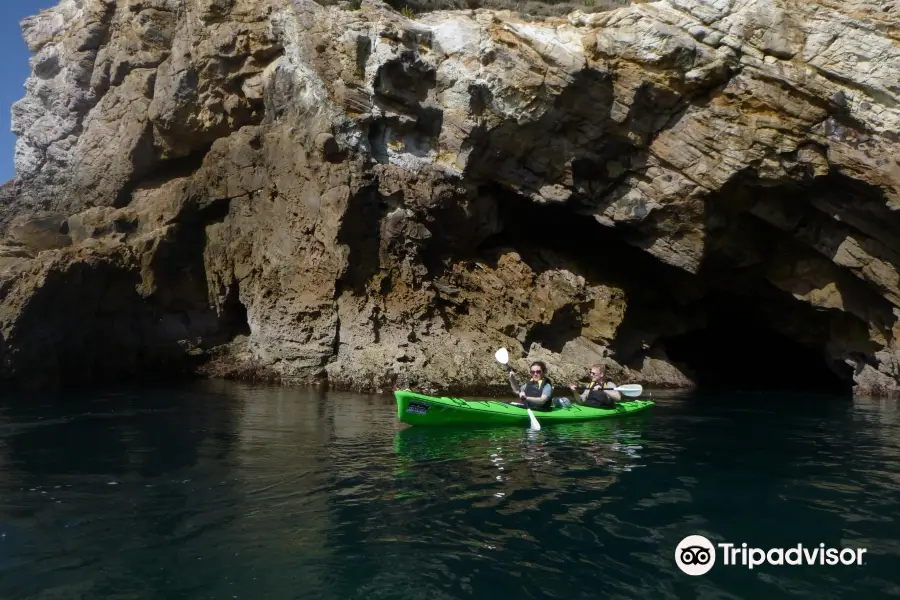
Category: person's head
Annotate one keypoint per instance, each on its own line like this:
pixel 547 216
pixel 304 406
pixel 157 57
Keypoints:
pixel 538 370
pixel 598 371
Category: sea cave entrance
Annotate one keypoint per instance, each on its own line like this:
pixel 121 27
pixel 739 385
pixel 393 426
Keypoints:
pixel 739 349
pixel 737 345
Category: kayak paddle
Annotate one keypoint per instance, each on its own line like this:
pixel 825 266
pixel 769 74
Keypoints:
pixel 502 357
pixel 631 389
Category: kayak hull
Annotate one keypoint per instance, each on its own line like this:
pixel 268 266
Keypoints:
pixel 420 409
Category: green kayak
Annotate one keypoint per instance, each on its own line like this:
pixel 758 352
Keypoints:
pixel 419 409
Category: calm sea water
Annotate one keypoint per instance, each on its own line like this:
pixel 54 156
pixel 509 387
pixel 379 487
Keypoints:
pixel 228 491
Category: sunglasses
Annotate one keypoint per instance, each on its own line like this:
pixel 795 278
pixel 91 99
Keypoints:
pixel 535 370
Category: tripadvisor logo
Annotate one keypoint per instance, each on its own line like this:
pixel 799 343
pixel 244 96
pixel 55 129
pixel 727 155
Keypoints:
pixel 696 555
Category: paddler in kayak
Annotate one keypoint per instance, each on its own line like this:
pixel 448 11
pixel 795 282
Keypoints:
pixel 537 393
pixel 599 393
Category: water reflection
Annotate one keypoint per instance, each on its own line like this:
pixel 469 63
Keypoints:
pixel 99 485
pixel 223 490
pixel 513 459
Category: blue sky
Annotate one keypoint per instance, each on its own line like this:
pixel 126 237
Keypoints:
pixel 13 71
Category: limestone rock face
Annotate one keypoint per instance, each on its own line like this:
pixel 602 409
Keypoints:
pixel 280 188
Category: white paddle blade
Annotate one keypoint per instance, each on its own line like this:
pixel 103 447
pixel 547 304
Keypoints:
pixel 502 356
pixel 631 389
pixel 535 426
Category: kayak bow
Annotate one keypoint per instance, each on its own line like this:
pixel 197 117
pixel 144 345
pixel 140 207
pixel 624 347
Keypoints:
pixel 419 409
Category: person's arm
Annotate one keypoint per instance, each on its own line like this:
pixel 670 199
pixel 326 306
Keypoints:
pixel 610 390
pixel 583 395
pixel 514 383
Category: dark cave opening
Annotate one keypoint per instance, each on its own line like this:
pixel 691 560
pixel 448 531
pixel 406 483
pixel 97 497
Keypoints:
pixel 562 328
pixel 233 319
pixel 600 253
pixel 740 350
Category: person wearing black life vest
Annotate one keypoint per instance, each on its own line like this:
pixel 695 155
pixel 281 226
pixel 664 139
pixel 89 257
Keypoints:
pixel 599 393
pixel 538 392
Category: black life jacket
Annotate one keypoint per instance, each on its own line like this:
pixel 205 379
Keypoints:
pixel 533 389
pixel 596 393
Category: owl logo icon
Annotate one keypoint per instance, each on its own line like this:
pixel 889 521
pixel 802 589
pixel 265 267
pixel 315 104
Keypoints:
pixel 695 555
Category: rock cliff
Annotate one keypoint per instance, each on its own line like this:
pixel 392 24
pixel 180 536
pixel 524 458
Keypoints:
pixel 351 194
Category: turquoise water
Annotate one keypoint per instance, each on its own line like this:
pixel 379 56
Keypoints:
pixel 228 491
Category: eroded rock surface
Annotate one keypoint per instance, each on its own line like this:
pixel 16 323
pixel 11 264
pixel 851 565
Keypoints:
pixel 279 188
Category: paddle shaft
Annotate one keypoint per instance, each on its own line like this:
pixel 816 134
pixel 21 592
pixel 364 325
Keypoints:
pixel 503 357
